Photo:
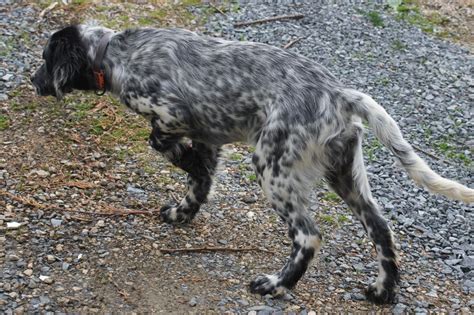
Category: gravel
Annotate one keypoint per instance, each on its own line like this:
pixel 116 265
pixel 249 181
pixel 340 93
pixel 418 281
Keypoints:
pixel 57 261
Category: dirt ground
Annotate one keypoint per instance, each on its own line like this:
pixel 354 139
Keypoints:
pixel 80 179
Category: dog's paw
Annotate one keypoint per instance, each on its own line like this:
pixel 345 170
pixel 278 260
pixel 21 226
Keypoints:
pixel 267 284
pixel 386 296
pixel 171 214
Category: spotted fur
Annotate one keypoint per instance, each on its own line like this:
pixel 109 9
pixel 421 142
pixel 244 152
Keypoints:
pixel 303 122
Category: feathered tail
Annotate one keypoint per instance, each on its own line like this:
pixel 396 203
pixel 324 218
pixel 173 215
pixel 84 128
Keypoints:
pixel 387 132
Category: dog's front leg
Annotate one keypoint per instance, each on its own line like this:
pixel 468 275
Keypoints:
pixel 199 161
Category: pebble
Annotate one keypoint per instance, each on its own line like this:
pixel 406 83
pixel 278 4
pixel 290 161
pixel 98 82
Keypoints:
pixel 426 82
pixel 46 279
pixel 193 302
pixel 56 222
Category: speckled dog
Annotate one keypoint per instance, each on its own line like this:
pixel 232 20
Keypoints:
pixel 302 121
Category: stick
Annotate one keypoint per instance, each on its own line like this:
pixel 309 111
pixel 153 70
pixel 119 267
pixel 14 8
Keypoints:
pixel 275 18
pixel 217 9
pixel 48 9
pixel 292 43
pixel 214 249
pixel 112 210
pixel 431 155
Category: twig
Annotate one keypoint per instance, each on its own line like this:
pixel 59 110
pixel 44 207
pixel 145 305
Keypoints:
pixel 81 184
pixel 214 249
pixel 431 155
pixel 217 9
pixel 124 294
pixel 48 9
pixel 110 209
pixel 275 18
pixel 292 43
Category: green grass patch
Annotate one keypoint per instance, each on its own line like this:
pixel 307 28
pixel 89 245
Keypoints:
pixel 410 12
pixel 342 219
pixel 331 196
pixel 329 219
pixel 452 153
pixel 375 18
pixel 371 148
pixel 398 45
pixel 4 122
pixel 236 157
pixel 252 177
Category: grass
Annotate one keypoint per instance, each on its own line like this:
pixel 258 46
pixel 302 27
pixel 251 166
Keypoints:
pixel 398 45
pixel 236 157
pixel 409 11
pixel 331 197
pixel 4 122
pixel 252 177
pixel 371 148
pixel 451 152
pixel 375 19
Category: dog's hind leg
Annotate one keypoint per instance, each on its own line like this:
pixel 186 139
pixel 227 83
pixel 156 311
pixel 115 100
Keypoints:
pixel 199 161
pixel 348 178
pixel 280 173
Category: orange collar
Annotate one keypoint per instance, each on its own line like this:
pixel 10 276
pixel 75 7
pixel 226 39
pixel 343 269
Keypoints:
pixel 99 73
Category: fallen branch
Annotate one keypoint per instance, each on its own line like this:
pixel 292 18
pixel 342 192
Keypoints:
pixel 110 210
pixel 431 155
pixel 48 9
pixel 81 184
pixel 292 43
pixel 217 9
pixel 275 18
pixel 214 249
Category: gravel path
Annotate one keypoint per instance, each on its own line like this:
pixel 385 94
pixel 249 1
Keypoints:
pixel 63 261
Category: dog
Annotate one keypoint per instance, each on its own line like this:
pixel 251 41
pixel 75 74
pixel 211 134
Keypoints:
pixel 303 123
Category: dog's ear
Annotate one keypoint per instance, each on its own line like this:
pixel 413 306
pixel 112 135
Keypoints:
pixel 66 57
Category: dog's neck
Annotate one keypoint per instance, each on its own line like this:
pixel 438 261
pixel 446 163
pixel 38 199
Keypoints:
pixel 91 36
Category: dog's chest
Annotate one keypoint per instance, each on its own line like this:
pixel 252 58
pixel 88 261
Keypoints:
pixel 151 107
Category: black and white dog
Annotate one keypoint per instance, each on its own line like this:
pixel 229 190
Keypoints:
pixel 303 123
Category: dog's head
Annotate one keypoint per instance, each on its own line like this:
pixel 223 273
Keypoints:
pixel 65 65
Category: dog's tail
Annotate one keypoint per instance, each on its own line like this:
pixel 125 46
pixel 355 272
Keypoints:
pixel 386 130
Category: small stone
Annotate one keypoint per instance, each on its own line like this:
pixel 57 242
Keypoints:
pixel 28 272
pixel 56 222
pixel 42 173
pixel 250 214
pixel 193 302
pixel 358 296
pixel 65 266
pixel 51 258
pixel 249 199
pixel 76 289
pixel 399 308
pixel 100 223
pixel 13 225
pixel 13 295
pixel 46 279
